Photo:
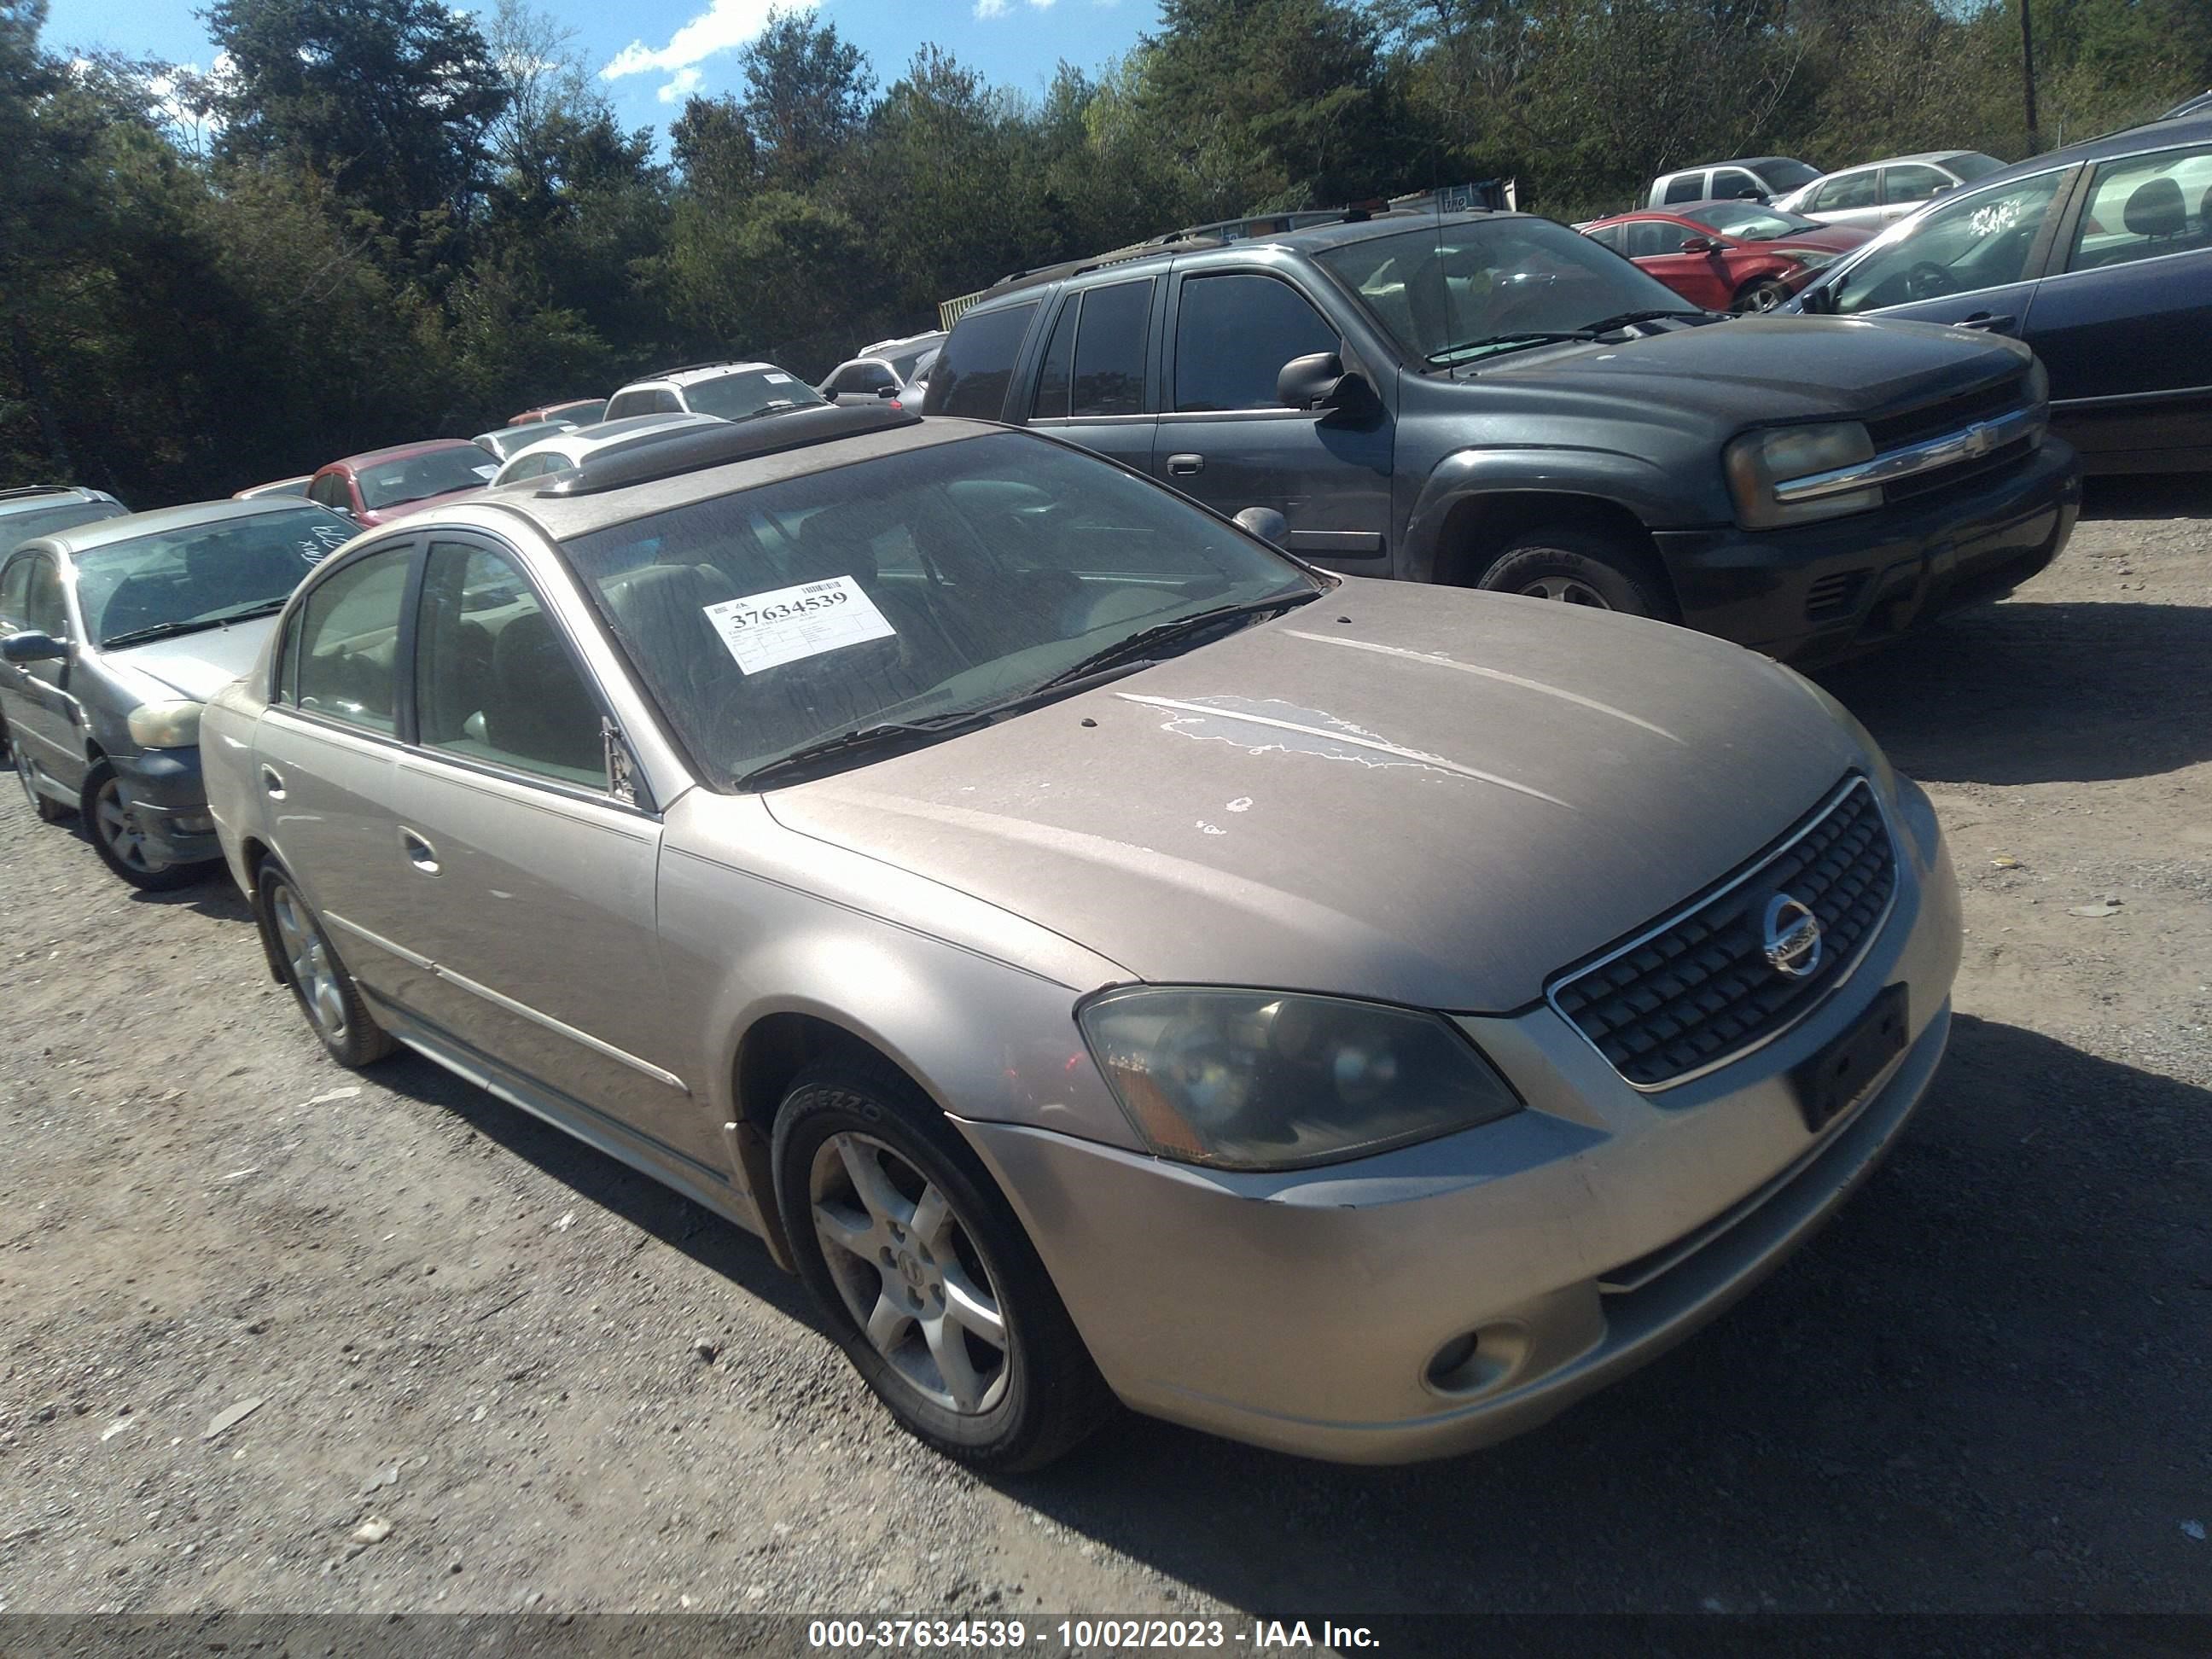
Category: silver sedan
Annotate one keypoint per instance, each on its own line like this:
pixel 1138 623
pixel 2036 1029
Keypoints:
pixel 1105 958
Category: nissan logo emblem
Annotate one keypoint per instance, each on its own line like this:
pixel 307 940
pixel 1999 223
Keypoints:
pixel 1792 938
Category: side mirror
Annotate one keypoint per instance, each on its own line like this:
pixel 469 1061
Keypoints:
pixel 887 391
pixel 32 645
pixel 1320 380
pixel 1700 245
pixel 1269 525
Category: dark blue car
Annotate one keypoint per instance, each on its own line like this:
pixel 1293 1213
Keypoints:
pixel 2099 256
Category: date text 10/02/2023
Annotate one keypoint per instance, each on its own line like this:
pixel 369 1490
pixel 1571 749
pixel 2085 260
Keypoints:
pixel 1086 1634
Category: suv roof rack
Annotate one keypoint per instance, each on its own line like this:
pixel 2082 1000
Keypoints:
pixel 22 490
pixel 688 368
pixel 734 440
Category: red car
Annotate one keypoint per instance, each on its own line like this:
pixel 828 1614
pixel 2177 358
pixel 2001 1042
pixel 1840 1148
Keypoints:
pixel 584 411
pixel 384 484
pixel 1727 256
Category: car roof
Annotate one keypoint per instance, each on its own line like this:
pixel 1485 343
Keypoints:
pixel 84 538
pixel 1301 238
pixel 697 372
pixel 881 347
pixel 860 435
pixel 37 498
pixel 589 440
pixel 2156 135
pixel 397 453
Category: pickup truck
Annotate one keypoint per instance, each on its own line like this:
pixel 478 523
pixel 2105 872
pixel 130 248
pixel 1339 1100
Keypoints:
pixel 1490 400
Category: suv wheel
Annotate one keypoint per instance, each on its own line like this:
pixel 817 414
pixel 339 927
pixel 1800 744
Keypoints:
pixel 308 964
pixel 122 844
pixel 1764 294
pixel 924 1276
pixel 1577 567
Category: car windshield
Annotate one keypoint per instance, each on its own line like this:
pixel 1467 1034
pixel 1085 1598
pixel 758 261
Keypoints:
pixel 174 581
pixel 434 473
pixel 915 586
pixel 1459 291
pixel 1748 220
pixel 1781 173
pixel 1972 165
pixel 907 364
pixel 511 441
pixel 749 391
pixel 16 528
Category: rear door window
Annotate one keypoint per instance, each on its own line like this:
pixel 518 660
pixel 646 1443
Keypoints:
pixel 1233 334
pixel 2145 206
pixel 1110 349
pixel 349 645
pixel 1853 190
pixel 977 364
pixel 1057 377
pixel 1688 187
pixel 1911 181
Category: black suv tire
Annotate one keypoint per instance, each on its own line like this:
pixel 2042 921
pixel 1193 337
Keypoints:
pixel 1581 567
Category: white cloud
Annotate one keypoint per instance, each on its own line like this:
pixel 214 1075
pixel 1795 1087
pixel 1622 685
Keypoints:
pixel 683 85
pixel 989 8
pixel 725 25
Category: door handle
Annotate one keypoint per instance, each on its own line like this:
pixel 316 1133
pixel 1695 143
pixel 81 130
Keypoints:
pixel 272 783
pixel 1988 324
pixel 1185 466
pixel 420 853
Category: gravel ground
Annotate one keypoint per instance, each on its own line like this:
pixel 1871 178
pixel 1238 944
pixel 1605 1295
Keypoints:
pixel 1982 1389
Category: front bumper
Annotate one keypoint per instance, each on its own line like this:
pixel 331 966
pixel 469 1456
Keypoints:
pixel 1824 591
pixel 167 797
pixel 1574 1241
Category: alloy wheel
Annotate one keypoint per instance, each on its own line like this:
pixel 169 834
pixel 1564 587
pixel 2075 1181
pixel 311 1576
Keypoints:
pixel 1568 590
pixel 309 959
pixel 909 1274
pixel 117 826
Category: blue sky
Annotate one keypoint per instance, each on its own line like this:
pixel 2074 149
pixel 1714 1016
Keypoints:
pixel 663 48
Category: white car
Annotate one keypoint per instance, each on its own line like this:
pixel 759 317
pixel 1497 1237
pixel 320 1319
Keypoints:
pixel 573 447
pixel 889 369
pixel 1878 193
pixel 734 392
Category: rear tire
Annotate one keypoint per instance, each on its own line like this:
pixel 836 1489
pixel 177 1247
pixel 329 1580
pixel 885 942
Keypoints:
pixel 114 832
pixel 49 809
pixel 1762 296
pixel 924 1276
pixel 305 961
pixel 1578 567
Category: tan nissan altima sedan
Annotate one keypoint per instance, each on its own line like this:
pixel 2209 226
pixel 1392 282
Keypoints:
pixel 1106 958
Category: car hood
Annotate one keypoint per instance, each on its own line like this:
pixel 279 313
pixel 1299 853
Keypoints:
pixel 1430 797
pixel 197 665
pixel 1783 367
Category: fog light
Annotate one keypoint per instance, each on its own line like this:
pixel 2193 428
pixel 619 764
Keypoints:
pixel 1449 1370
pixel 192 823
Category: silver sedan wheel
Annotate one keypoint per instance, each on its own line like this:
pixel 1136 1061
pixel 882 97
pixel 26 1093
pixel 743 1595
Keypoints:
pixel 309 959
pixel 114 822
pixel 1568 590
pixel 910 1273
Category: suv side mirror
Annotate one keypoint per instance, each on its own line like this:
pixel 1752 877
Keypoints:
pixel 31 646
pixel 1700 245
pixel 1269 525
pixel 887 391
pixel 1320 380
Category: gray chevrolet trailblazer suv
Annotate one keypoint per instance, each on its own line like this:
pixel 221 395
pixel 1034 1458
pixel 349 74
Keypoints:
pixel 1487 399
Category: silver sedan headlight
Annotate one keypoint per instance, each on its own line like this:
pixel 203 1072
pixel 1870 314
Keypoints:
pixel 1758 461
pixel 1267 1080
pixel 165 725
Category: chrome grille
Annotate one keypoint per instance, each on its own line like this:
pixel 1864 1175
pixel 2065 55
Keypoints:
pixel 1933 420
pixel 1697 990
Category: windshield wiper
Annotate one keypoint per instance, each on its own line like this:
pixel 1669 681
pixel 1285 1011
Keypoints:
pixel 1139 646
pixel 1533 336
pixel 1606 324
pixel 192 625
pixel 882 734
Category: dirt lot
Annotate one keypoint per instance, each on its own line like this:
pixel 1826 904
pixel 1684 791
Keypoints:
pixel 1984 1387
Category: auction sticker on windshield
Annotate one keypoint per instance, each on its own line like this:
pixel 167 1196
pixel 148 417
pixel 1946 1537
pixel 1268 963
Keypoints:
pixel 765 629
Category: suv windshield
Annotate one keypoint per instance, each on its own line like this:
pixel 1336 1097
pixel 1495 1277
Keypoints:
pixel 915 586
pixel 175 581
pixel 1748 220
pixel 434 473
pixel 749 391
pixel 1781 173
pixel 1458 291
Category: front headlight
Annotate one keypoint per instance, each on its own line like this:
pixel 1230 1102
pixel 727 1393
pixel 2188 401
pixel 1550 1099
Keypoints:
pixel 1266 1080
pixel 1758 461
pixel 165 725
pixel 2038 384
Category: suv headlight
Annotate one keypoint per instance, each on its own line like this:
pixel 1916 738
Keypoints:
pixel 165 725
pixel 1758 461
pixel 1268 1080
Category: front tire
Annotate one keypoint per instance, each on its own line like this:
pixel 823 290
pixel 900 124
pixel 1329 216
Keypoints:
pixel 1764 294
pixel 121 844
pixel 1578 567
pixel 49 809
pixel 925 1277
pixel 327 994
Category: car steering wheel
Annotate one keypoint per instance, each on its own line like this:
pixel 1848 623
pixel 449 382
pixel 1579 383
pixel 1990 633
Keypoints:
pixel 1929 281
